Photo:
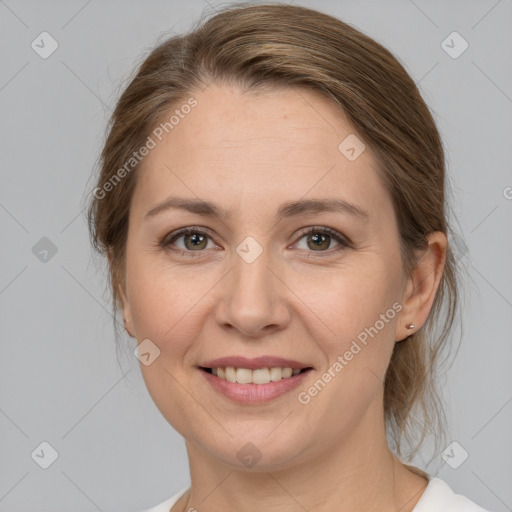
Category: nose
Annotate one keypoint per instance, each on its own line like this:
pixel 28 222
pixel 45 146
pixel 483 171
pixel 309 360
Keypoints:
pixel 253 300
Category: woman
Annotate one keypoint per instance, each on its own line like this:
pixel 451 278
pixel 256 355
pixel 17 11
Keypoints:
pixel 271 201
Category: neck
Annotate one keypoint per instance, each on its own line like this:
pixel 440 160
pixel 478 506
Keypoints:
pixel 358 472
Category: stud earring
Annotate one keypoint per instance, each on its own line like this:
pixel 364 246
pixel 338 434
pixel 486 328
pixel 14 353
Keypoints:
pixel 410 326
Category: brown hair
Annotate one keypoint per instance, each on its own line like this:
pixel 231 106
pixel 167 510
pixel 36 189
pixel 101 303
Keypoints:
pixel 274 45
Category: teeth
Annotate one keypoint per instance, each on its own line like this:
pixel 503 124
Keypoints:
pixel 258 376
pixel 243 376
pixel 276 374
pixel 230 374
pixel 287 372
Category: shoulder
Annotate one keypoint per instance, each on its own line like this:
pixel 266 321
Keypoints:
pixel 166 505
pixel 440 497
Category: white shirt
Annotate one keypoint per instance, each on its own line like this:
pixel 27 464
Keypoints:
pixel 437 497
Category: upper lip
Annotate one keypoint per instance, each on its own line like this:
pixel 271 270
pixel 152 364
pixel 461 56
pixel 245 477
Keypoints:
pixel 254 363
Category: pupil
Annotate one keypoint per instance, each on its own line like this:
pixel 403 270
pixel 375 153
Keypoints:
pixel 196 239
pixel 318 238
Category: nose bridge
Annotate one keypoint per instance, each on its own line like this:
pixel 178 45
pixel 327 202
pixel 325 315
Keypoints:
pixel 252 301
pixel 251 267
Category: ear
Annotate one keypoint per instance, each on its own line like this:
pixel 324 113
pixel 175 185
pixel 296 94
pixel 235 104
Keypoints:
pixel 127 312
pixel 125 305
pixel 421 287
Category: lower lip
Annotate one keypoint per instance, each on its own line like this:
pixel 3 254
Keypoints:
pixel 254 393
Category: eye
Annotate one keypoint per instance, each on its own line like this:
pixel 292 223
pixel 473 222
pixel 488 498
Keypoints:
pixel 194 240
pixel 320 238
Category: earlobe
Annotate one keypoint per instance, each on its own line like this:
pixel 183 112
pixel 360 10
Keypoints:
pixel 422 286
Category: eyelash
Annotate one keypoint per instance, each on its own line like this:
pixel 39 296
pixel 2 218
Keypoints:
pixel 343 241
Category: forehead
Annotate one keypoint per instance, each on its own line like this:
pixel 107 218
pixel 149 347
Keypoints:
pixel 240 148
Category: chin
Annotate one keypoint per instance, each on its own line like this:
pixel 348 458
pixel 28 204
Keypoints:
pixel 256 453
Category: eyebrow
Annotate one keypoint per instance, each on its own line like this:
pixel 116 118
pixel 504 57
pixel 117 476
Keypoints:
pixel 286 210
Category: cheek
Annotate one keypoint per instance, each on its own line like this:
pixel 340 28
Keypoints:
pixel 150 298
pixel 353 324
pixel 167 302
pixel 361 315
pixel 350 300
pixel 162 311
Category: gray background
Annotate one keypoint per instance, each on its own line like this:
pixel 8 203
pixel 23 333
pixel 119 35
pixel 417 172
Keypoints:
pixel 61 379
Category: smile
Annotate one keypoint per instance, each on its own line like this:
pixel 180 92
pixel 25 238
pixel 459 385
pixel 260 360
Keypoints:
pixel 256 376
pixel 254 386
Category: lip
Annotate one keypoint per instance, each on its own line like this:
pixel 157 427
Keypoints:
pixel 252 394
pixel 255 363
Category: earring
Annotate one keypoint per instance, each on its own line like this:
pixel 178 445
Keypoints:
pixel 410 326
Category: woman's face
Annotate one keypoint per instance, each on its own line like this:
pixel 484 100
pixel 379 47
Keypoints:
pixel 254 284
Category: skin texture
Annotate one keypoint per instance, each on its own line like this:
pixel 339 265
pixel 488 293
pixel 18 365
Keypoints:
pixel 249 153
